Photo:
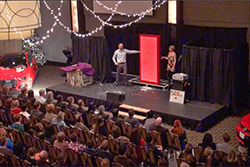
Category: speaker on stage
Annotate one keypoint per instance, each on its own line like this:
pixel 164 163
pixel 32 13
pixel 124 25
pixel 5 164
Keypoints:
pixel 115 97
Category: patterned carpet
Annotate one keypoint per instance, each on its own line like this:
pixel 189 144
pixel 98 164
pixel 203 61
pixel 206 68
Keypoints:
pixel 51 75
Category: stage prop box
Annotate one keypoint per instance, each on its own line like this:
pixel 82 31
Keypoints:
pixel 79 75
pixel 149 58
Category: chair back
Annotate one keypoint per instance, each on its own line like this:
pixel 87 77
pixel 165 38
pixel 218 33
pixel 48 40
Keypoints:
pixel 126 129
pixel 80 134
pixel 90 137
pixel 26 139
pixel 109 124
pixel 4 118
pixel 34 120
pixel 114 146
pixel 98 161
pixel 54 153
pixel 45 145
pixel 16 136
pixel 143 132
pixel 90 119
pixel 131 150
pixel 73 156
pixel 69 116
pixel 26 163
pixel 15 161
pixel 156 137
pixel 198 151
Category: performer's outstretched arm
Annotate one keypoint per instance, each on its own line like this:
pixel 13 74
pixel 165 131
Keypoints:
pixel 131 51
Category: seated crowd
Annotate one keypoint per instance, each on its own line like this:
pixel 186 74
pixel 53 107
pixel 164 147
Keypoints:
pixel 53 131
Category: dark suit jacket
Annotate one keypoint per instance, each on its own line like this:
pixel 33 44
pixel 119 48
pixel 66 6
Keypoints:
pixel 104 154
pixel 38 114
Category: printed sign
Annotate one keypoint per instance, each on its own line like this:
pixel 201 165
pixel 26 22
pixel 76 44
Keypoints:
pixel 177 96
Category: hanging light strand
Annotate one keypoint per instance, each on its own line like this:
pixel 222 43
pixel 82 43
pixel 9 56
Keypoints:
pixel 75 33
pixel 126 24
pixel 122 13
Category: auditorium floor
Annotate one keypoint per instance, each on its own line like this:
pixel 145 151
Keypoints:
pixel 51 75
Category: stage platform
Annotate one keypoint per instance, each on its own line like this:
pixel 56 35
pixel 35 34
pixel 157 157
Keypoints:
pixel 195 115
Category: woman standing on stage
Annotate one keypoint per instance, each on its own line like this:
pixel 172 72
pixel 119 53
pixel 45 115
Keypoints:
pixel 171 62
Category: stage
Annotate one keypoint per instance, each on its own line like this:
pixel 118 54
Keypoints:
pixel 195 115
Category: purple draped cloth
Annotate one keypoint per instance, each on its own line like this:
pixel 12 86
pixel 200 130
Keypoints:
pixel 84 67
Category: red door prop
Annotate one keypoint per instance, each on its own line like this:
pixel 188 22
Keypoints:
pixel 149 58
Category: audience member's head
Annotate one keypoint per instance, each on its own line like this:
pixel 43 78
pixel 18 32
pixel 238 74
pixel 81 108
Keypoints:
pixel 184 164
pixel 30 94
pixel 131 113
pixel 78 118
pixel 3 141
pixel 17 118
pixel 24 91
pixel 31 152
pixel 105 163
pixel 50 95
pixel 226 137
pixel 116 131
pixel 101 109
pixel 60 137
pixel 115 112
pixel 42 93
pixel 3 132
pixel 162 162
pixel 50 108
pixel 80 103
pixel 73 138
pixel 70 100
pixel 158 121
pixel 207 139
pixel 177 129
pixel 36 105
pixel 122 150
pixel 60 116
pixel 43 155
pixel 5 89
pixel 14 104
pixel 38 127
pixel 59 98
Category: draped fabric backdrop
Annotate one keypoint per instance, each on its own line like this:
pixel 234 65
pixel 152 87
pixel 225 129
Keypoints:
pixel 211 73
pixel 93 50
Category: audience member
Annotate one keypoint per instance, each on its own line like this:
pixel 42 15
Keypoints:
pixel 208 158
pixel 157 126
pixel 60 103
pixel 105 163
pixel 42 96
pixel 208 141
pixel 123 159
pixel 59 120
pixel 43 159
pixel 61 144
pixel 23 96
pixel 3 133
pixel 36 111
pixel 71 104
pixel 17 123
pixel 3 147
pixel 224 146
pixel 79 123
pixel 15 107
pixel 50 98
pixel 180 132
pixel 31 96
pixel 149 121
pixel 130 119
pixel 49 116
pixel 103 151
pixel 75 145
pixel 31 155
pixel 100 127
pixel 4 94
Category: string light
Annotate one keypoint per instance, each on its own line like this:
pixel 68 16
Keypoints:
pixel 122 13
pixel 75 33
pixel 126 24
pixel 102 21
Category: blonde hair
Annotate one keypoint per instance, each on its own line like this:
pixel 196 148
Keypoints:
pixel 172 47
pixel 50 108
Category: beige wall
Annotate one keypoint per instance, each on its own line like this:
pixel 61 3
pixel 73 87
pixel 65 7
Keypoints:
pixel 216 13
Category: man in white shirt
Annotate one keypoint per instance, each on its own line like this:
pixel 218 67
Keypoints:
pixel 224 146
pixel 120 60
pixel 42 96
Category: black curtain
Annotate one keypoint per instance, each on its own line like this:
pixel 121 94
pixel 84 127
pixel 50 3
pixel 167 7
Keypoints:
pixel 130 38
pixel 217 61
pixel 93 50
pixel 210 71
